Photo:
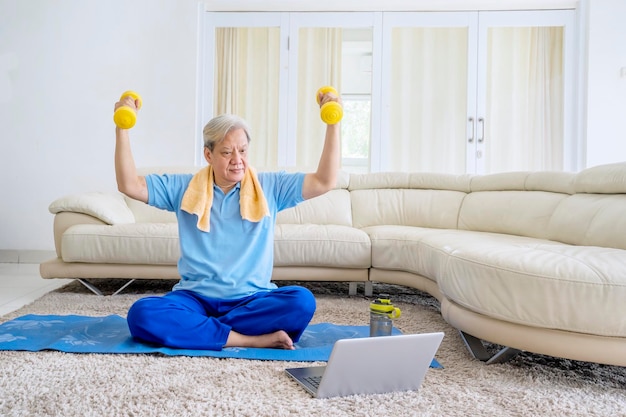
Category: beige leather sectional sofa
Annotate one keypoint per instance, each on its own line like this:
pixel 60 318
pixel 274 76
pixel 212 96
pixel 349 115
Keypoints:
pixel 531 261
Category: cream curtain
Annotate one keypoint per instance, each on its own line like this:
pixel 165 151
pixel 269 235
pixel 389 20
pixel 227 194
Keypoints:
pixel 524 119
pixel 319 64
pixel 246 84
pixel 428 100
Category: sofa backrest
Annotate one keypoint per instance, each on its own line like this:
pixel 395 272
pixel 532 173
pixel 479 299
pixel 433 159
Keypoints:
pixel 585 208
pixel 596 214
pixel 330 208
pixel 148 214
pixel 411 199
pixel 516 203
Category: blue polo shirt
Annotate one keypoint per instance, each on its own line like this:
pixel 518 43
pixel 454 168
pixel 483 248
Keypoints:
pixel 235 259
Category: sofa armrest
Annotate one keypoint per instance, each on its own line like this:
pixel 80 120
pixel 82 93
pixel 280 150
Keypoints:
pixel 111 208
pixel 66 219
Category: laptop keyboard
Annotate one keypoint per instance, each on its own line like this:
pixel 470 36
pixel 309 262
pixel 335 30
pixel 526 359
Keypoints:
pixel 314 380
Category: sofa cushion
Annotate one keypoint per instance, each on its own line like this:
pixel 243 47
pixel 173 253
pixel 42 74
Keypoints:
pixel 419 208
pixel 330 208
pixel 602 179
pixel 405 248
pixel 411 180
pixel 536 282
pixel 590 220
pixel 521 213
pixel 107 207
pixel 157 243
pixel 140 243
pixel 321 246
pixel 550 181
pixel 145 213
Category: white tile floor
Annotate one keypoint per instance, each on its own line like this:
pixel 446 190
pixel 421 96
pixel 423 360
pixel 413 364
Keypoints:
pixel 20 284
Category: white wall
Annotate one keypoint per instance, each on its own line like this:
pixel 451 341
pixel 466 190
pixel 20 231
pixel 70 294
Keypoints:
pixel 606 105
pixel 64 63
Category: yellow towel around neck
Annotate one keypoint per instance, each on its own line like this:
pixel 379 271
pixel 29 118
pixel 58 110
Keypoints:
pixel 198 197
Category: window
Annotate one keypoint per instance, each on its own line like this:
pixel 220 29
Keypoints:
pixel 355 133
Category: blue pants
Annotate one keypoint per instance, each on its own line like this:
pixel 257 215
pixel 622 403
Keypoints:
pixel 187 320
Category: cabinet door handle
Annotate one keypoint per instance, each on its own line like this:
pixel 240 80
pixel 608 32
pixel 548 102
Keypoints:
pixel 481 139
pixel 471 138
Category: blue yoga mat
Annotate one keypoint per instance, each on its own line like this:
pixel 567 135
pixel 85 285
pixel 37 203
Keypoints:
pixel 110 334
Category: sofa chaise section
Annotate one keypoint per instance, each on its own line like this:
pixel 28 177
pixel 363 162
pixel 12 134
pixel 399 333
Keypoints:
pixel 533 261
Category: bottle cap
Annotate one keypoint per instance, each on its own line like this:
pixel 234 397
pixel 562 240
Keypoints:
pixel 382 305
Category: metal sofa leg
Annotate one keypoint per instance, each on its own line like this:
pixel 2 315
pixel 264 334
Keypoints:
pixel 96 291
pixel 123 287
pixel 369 288
pixel 504 355
pixel 90 286
pixel 352 288
pixel 478 351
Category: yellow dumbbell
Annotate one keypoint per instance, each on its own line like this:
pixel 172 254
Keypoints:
pixel 125 116
pixel 331 112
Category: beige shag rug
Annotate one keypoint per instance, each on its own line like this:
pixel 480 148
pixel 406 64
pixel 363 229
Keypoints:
pixel 61 384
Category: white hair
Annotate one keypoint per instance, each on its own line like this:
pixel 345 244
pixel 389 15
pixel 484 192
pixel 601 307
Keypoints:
pixel 215 131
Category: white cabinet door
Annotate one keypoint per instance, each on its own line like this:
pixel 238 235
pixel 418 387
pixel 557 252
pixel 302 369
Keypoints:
pixel 428 91
pixel 477 92
pixel 525 92
pixel 244 72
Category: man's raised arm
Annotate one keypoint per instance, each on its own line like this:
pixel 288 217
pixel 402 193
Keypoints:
pixel 128 182
pixel 325 178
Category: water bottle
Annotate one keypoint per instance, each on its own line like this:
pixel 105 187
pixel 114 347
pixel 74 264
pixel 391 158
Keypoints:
pixel 382 313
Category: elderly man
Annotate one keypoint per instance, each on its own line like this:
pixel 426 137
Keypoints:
pixel 226 216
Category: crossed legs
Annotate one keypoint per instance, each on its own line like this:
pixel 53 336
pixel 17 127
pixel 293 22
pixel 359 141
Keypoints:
pixel 183 319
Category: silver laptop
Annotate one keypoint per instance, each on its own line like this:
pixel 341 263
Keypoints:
pixel 371 365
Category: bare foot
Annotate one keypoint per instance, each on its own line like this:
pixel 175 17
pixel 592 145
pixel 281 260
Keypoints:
pixel 278 340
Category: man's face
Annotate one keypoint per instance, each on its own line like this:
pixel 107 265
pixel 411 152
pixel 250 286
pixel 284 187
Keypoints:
pixel 229 158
